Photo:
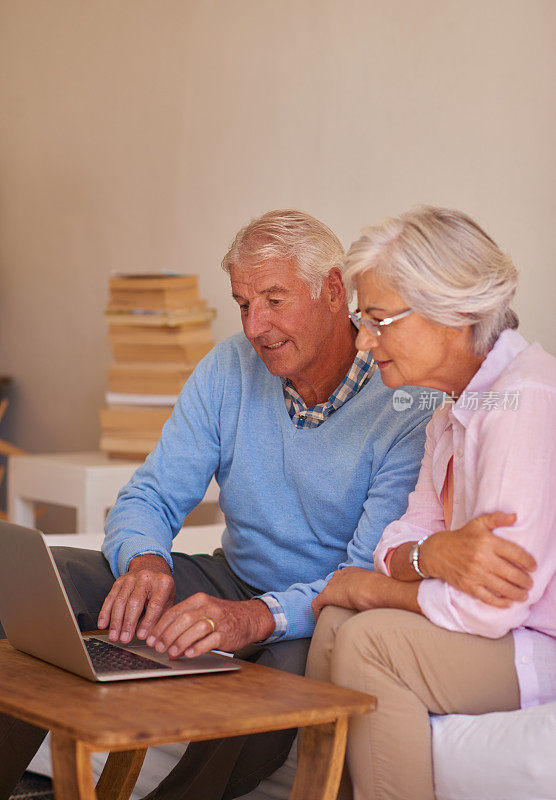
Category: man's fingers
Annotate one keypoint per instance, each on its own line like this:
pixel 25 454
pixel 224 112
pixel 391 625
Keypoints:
pixel 317 605
pixel 197 639
pixel 133 610
pixel 118 610
pixel 167 619
pixel 104 615
pixel 153 613
pixel 106 610
pixel 210 642
pixel 187 627
pixel 188 611
pixel 157 604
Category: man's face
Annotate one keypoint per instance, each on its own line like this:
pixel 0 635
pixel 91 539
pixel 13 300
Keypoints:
pixel 287 328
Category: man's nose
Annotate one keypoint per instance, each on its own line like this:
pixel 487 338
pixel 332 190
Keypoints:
pixel 256 322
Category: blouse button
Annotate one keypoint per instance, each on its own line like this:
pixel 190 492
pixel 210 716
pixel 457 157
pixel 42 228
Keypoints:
pixel 524 659
pixel 459 452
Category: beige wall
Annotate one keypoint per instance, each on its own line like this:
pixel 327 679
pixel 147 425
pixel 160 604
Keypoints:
pixel 140 135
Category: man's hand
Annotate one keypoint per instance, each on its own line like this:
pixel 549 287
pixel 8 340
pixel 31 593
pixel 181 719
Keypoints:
pixel 362 589
pixel 479 563
pixel 148 585
pixel 186 628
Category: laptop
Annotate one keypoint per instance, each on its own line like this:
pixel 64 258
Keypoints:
pixel 38 619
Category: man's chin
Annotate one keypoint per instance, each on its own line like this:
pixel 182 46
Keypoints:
pixel 275 359
pixel 275 368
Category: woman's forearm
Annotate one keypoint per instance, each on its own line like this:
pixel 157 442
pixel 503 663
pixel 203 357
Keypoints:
pixel 400 566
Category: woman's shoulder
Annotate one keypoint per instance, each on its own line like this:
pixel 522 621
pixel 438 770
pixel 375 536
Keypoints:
pixel 533 367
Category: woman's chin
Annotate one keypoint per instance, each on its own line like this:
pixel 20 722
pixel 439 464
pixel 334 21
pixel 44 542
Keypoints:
pixel 389 375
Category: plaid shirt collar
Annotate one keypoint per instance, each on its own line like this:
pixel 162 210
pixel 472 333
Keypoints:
pixel 359 374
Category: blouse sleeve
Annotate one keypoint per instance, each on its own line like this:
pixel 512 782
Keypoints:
pixel 515 473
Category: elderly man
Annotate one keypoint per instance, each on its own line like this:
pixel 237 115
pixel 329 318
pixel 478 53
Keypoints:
pixel 313 461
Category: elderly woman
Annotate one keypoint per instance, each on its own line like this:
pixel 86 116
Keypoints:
pixel 455 618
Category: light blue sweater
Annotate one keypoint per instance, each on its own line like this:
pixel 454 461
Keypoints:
pixel 294 500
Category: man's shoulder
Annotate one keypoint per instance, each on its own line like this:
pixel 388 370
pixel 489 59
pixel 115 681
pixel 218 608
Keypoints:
pixel 403 407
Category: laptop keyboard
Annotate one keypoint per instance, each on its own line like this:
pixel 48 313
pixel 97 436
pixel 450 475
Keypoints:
pixel 108 657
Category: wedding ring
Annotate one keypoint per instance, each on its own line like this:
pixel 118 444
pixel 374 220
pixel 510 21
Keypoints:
pixel 211 623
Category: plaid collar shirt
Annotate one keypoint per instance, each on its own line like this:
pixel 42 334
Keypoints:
pixel 359 374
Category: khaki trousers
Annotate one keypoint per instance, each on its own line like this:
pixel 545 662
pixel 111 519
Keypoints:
pixel 413 667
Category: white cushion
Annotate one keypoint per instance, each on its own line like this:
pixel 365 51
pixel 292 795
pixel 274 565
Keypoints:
pixel 501 756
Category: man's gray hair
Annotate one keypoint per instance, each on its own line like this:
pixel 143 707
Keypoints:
pixel 445 267
pixel 288 234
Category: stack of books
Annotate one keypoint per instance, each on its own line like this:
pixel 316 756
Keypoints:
pixel 158 328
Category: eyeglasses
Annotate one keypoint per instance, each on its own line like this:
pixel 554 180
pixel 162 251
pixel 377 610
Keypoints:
pixel 375 326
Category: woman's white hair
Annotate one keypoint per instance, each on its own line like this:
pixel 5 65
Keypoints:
pixel 445 267
pixel 288 234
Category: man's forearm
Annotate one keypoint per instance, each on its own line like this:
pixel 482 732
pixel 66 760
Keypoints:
pixel 404 596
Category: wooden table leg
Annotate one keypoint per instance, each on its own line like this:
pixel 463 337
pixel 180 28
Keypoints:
pixel 71 768
pixel 120 774
pixel 321 753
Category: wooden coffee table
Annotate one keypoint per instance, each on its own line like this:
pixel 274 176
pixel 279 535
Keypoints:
pixel 128 716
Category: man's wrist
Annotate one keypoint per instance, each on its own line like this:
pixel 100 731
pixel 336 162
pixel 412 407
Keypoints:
pixel 150 561
pixel 262 620
pixel 404 596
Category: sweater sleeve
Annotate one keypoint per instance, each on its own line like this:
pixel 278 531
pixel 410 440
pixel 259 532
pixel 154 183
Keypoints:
pixel 425 513
pixel 150 509
pixel 386 500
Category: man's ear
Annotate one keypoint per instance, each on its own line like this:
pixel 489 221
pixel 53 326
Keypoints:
pixel 334 290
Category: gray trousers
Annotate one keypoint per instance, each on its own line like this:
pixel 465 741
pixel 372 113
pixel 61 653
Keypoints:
pixel 213 770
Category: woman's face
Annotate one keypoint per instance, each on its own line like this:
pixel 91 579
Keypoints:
pixel 412 351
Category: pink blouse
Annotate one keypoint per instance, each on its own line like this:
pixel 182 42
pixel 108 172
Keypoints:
pixel 501 434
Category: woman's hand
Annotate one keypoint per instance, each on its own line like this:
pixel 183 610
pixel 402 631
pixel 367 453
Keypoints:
pixel 480 563
pixel 362 589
